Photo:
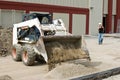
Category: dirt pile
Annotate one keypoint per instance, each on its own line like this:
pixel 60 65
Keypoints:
pixel 63 51
pixel 5 40
pixel 69 70
pixel 5 77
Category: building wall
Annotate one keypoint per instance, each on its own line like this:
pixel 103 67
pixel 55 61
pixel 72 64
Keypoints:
pixel 114 7
pixel 0 18
pixel 64 17
pixel 109 11
pixel 72 3
pixel 9 17
pixel 6 18
pixel 79 23
pixel 16 16
pixel 96 9
pixel 105 7
pixel 113 14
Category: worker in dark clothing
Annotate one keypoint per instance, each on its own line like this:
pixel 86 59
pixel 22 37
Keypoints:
pixel 100 35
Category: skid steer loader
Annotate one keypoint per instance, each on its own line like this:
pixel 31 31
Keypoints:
pixel 39 39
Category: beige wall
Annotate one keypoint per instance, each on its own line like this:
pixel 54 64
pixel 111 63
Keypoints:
pixel 39 12
pixel 18 16
pixel 79 24
pixel 113 21
pixel 114 7
pixel 105 6
pixel 6 18
pixel 64 17
pixel 95 15
pixel 72 3
pixel 95 7
pixel 105 9
pixel 9 17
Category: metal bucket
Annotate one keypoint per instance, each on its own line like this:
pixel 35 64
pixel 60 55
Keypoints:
pixel 64 48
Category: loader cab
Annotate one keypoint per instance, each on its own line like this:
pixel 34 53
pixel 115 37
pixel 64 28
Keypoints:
pixel 43 18
pixel 26 34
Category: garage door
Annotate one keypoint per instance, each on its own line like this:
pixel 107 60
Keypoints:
pixel 79 24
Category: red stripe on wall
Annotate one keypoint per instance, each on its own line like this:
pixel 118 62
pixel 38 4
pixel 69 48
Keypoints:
pixel 27 11
pixel 87 23
pixel 41 7
pixel 47 8
pixel 109 17
pixel 115 23
pixel 70 22
pixel 117 17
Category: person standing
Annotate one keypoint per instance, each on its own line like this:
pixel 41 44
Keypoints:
pixel 100 35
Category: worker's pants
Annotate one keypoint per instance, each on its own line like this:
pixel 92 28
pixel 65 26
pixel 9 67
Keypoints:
pixel 100 38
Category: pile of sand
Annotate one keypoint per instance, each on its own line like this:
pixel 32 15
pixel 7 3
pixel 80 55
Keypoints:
pixel 5 77
pixel 63 51
pixel 5 40
pixel 69 70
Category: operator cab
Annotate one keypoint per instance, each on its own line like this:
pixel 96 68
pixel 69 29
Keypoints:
pixel 43 18
pixel 28 34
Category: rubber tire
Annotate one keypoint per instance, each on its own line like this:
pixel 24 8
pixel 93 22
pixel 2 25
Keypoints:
pixel 16 52
pixel 28 55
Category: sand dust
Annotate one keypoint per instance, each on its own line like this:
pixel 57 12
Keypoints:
pixel 63 51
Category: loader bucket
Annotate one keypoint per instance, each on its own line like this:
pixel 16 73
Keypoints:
pixel 64 48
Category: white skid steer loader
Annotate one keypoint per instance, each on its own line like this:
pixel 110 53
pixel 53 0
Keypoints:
pixel 47 42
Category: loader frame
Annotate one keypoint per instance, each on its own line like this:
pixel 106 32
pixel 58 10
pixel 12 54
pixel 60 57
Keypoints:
pixel 61 41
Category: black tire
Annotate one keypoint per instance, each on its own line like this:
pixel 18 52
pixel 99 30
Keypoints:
pixel 16 52
pixel 28 55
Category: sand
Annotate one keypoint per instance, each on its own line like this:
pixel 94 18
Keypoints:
pixel 5 77
pixel 5 40
pixel 103 57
